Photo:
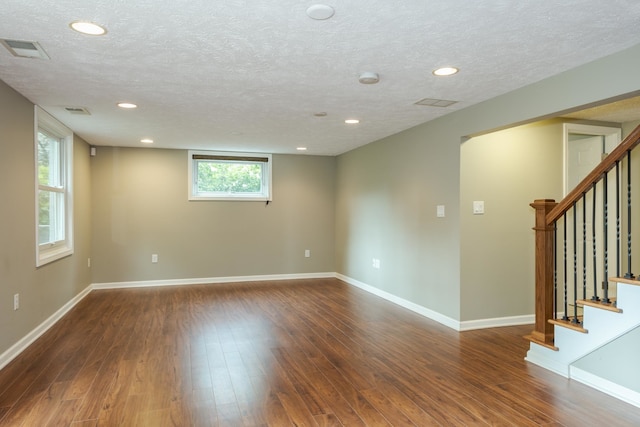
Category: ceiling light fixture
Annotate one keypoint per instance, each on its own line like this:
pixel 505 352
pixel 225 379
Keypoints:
pixel 445 71
pixel 320 12
pixel 127 105
pixel 320 114
pixel 369 78
pixel 301 148
pixel 352 121
pixel 88 28
pixel 146 141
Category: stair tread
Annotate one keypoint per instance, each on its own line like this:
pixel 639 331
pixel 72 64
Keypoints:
pixel 542 343
pixel 569 324
pixel 635 281
pixel 600 305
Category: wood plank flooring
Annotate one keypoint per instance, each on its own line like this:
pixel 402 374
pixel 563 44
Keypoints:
pixel 304 353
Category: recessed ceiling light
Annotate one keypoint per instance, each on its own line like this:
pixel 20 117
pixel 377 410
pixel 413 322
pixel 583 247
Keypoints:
pixel 445 71
pixel 320 114
pixel 88 28
pixel 146 141
pixel 127 105
pixel 352 121
pixel 320 12
pixel 301 148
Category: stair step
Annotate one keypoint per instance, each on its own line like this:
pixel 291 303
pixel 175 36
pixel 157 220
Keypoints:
pixel 540 342
pixel 601 305
pixel 569 324
pixel 635 281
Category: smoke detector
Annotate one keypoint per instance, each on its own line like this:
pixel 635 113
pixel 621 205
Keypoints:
pixel 369 78
pixel 320 12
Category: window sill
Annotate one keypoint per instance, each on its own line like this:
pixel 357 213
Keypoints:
pixel 46 256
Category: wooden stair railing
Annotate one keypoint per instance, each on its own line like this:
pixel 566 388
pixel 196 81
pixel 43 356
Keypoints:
pixel 547 213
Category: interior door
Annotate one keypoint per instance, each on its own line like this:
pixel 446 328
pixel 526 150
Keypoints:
pixel 585 147
pixel 584 154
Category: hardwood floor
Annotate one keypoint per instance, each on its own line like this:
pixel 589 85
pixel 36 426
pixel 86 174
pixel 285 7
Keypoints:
pixel 305 353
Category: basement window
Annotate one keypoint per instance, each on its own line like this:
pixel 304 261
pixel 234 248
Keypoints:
pixel 54 208
pixel 215 175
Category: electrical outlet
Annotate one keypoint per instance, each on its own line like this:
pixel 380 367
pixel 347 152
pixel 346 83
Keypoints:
pixel 307 253
pixel 376 263
pixel 16 301
pixel 154 258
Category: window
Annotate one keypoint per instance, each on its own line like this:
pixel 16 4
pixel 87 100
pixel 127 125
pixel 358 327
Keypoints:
pixel 229 176
pixel 54 212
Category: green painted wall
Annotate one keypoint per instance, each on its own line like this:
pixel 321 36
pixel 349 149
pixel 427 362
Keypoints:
pixel 387 193
pixel 46 289
pixel 143 210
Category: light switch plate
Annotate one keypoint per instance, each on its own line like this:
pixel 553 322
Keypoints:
pixel 440 211
pixel 478 207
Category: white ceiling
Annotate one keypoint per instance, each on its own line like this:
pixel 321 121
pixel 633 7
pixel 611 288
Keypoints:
pixel 249 75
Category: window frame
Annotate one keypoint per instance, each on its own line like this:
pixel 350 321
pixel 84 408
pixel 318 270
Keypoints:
pixel 47 124
pixel 230 157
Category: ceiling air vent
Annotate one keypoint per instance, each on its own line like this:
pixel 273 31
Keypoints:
pixel 430 102
pixel 78 110
pixel 24 49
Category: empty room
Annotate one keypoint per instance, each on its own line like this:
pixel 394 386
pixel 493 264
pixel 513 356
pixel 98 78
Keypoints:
pixel 279 213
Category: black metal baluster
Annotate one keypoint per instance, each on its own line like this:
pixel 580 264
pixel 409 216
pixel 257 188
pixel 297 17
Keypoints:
pixel 555 270
pixel 564 245
pixel 629 274
pixel 618 243
pixel 605 223
pixel 575 266
pixel 593 239
pixel 584 246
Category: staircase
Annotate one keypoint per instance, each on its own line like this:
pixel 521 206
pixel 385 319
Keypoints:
pixel 586 320
pixel 600 327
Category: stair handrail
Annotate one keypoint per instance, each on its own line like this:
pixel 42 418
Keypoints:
pixel 608 163
pixel 547 213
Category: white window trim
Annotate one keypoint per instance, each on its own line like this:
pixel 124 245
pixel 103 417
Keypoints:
pixel 233 196
pixel 50 252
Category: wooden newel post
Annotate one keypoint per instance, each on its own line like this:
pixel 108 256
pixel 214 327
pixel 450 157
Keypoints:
pixel 543 331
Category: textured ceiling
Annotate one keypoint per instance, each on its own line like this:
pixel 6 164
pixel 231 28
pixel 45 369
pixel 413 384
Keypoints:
pixel 626 110
pixel 249 75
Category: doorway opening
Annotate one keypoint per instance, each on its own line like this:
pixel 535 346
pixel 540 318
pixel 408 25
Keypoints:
pixel 584 148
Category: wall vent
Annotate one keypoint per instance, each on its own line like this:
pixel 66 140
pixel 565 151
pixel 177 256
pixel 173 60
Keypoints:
pixel 24 49
pixel 78 110
pixel 430 102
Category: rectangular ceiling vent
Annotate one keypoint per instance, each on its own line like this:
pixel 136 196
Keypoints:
pixel 430 102
pixel 24 49
pixel 78 110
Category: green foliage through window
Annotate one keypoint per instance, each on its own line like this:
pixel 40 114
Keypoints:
pixel 227 177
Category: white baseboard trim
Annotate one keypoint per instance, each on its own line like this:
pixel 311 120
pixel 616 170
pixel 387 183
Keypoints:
pixel 28 339
pixel 536 356
pixel 210 280
pixel 467 325
pixel 497 322
pixel 423 311
pixel 612 389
